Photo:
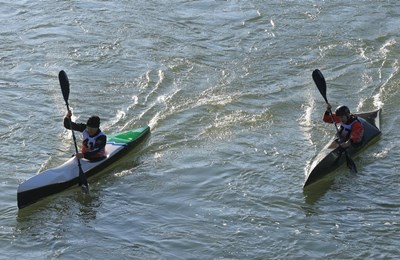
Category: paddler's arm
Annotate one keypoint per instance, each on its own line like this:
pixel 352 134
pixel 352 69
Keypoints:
pixel 67 123
pixel 327 118
pixel 355 140
pixel 357 133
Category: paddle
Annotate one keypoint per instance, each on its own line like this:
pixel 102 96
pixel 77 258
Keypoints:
pixel 321 85
pixel 64 83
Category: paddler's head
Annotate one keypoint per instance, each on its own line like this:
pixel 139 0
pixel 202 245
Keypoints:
pixel 93 124
pixel 343 113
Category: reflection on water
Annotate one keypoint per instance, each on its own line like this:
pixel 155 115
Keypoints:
pixel 314 192
pixel 72 201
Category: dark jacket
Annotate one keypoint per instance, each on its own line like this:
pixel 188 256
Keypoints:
pixel 95 151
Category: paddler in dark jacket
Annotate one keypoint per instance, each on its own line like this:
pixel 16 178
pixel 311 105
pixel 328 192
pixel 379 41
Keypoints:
pixel 351 130
pixel 94 140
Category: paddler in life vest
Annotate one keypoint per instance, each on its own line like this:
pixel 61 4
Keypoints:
pixel 94 140
pixel 351 130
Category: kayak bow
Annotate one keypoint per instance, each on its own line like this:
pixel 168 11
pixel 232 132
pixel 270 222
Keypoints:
pixel 330 159
pixel 57 179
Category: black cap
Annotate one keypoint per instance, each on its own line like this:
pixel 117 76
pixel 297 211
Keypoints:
pixel 93 121
pixel 342 111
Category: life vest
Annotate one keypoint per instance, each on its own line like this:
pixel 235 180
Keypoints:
pixel 345 129
pixel 89 143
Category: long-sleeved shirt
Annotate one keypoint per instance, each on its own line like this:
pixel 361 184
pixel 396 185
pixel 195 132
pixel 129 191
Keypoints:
pixel 93 147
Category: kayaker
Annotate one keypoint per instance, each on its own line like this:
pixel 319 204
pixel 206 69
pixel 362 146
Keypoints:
pixel 351 130
pixel 94 140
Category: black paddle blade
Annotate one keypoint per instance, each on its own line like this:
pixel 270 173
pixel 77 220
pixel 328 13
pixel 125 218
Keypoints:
pixel 64 83
pixel 83 183
pixel 85 189
pixel 320 82
pixel 350 164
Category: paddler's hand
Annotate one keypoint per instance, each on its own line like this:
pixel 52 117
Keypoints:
pixel 69 114
pixel 79 155
pixel 328 107
pixel 345 145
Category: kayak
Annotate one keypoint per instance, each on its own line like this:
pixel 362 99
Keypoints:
pixel 58 179
pixel 330 159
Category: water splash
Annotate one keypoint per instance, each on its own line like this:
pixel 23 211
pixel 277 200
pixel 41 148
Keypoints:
pixel 378 99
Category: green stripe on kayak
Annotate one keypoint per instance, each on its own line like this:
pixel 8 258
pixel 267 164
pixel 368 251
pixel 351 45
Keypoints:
pixel 126 137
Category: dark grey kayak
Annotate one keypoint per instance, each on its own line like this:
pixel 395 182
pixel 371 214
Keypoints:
pixel 330 159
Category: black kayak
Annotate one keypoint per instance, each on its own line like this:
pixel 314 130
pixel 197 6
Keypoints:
pixel 330 159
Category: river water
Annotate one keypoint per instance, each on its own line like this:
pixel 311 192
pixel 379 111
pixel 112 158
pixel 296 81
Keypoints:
pixel 235 117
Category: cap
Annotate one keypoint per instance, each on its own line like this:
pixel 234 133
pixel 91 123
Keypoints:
pixel 93 121
pixel 342 111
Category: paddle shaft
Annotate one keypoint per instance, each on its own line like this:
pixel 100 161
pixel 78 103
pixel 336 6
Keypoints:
pixel 64 83
pixel 333 120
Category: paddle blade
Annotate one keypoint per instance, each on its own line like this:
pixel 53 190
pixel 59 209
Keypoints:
pixel 350 164
pixel 64 83
pixel 320 82
pixel 83 183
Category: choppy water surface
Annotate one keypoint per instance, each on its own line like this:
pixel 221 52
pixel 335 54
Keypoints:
pixel 227 90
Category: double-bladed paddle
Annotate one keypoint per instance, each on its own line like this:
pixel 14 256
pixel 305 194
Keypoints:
pixel 321 85
pixel 64 83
